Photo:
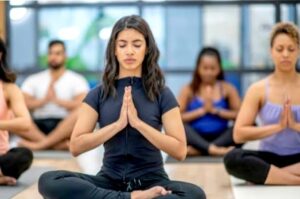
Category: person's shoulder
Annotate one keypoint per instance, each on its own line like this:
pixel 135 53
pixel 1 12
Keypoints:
pixel 73 73
pixel 97 90
pixel 69 74
pixel 228 87
pixel 166 94
pixel 95 94
pixel 226 84
pixel 98 87
pixel 186 90
pixel 257 89
pixel 11 88
pixel 38 75
pixel 259 85
pixel 165 90
pixel 10 85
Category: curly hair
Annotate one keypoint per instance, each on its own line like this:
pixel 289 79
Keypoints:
pixel 285 28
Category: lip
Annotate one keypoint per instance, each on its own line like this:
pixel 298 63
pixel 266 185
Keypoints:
pixel 129 61
pixel 285 61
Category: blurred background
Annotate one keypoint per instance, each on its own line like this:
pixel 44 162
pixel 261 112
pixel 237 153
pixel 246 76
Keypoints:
pixel 240 29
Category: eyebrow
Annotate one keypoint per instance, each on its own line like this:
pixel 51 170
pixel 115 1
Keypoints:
pixel 134 41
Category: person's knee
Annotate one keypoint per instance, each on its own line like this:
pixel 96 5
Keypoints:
pixel 17 160
pixel 192 191
pixel 197 193
pixel 46 183
pixel 27 155
pixel 232 160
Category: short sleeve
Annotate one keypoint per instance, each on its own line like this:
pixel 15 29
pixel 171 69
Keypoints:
pixel 167 100
pixel 81 85
pixel 28 86
pixel 93 98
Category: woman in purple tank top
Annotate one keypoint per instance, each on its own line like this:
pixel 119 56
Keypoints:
pixel 207 104
pixel 276 100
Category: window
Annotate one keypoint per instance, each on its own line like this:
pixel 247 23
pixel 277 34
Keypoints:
pixel 257 55
pixel 22 38
pixel 85 31
pixel 221 30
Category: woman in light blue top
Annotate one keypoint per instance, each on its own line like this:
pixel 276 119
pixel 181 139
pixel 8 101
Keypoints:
pixel 207 104
pixel 276 100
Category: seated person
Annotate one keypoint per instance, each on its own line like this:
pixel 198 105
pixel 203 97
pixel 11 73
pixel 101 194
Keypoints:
pixel 276 100
pixel 53 97
pixel 131 107
pixel 14 117
pixel 207 104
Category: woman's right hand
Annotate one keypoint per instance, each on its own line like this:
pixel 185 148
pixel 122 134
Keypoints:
pixel 208 100
pixel 284 120
pixel 123 119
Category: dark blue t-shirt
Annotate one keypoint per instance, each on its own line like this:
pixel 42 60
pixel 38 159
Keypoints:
pixel 129 154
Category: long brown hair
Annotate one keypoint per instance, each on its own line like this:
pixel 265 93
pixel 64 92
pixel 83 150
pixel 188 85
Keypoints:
pixel 196 81
pixel 152 77
pixel 5 74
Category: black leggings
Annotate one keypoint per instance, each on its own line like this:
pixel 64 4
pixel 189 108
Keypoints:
pixel 47 125
pixel 202 142
pixel 254 166
pixel 65 184
pixel 15 162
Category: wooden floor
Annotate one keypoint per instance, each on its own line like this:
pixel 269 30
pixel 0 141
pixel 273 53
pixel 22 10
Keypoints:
pixel 210 176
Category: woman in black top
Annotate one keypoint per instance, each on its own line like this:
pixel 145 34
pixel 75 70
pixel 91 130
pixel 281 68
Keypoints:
pixel 131 106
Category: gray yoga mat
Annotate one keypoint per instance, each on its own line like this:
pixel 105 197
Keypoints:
pixel 196 159
pixel 52 154
pixel 27 179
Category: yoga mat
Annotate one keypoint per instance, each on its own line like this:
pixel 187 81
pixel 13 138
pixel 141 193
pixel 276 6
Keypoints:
pixel 52 154
pixel 196 159
pixel 27 179
pixel 243 190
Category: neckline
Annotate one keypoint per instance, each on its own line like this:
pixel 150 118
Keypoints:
pixel 280 105
pixel 129 81
pixel 215 101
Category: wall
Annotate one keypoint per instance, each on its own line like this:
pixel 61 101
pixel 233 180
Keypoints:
pixel 2 19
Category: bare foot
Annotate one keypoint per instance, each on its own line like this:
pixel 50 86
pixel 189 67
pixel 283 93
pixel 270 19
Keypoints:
pixel 150 193
pixel 191 151
pixel 6 180
pixel 64 145
pixel 219 151
pixel 293 169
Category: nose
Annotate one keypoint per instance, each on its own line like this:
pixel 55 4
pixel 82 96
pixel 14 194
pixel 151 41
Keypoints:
pixel 129 50
pixel 286 53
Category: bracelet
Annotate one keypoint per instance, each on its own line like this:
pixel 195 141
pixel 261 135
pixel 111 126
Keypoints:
pixel 218 111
